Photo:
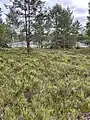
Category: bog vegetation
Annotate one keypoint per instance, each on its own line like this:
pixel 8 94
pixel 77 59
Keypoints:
pixel 45 85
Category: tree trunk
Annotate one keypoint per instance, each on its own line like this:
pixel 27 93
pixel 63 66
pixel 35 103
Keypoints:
pixel 28 47
pixel 29 25
pixel 26 27
pixel 56 44
pixel 64 43
pixel 41 44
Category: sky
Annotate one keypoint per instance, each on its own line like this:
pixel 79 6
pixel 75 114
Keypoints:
pixel 79 7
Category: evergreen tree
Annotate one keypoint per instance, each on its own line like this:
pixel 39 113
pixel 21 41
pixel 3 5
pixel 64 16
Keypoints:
pixel 13 21
pixel 88 22
pixel 1 16
pixel 41 27
pixel 64 27
pixel 27 10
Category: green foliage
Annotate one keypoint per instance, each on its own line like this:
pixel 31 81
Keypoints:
pixel 21 37
pixel 88 22
pixel 1 16
pixel 42 27
pixel 64 27
pixel 5 35
pixel 47 85
pixel 22 16
pixel 2 29
pixel 86 39
pixel 53 27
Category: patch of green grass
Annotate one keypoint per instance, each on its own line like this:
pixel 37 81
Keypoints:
pixel 44 85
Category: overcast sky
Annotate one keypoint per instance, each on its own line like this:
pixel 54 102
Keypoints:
pixel 79 7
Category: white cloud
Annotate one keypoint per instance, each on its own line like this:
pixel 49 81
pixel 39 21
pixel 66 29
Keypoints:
pixel 79 7
pixel 3 9
pixel 81 3
pixel 82 10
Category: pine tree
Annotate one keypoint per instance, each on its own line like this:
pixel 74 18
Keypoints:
pixel 27 10
pixel 41 27
pixel 88 22
pixel 0 16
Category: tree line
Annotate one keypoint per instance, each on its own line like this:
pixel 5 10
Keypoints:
pixel 32 20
